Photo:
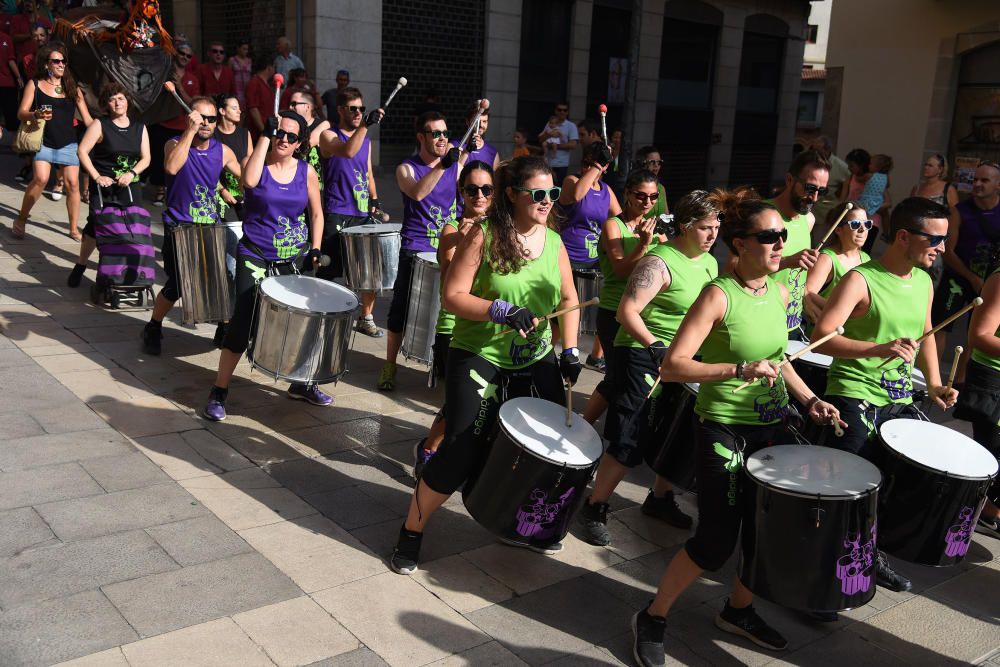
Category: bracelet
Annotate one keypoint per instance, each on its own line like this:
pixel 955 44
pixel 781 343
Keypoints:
pixel 134 173
pixel 739 370
pixel 811 402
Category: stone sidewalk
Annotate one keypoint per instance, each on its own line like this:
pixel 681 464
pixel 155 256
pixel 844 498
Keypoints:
pixel 133 532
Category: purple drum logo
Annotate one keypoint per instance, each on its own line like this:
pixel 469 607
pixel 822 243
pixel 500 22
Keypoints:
pixel 960 534
pixel 855 568
pixel 539 518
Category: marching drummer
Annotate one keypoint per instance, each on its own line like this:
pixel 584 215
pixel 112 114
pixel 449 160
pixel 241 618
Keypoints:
pixel 429 184
pixel 738 326
pixel 844 254
pixel 660 291
pixel 194 162
pixel 884 306
pixel 349 192
pixel 506 272
pixel 278 186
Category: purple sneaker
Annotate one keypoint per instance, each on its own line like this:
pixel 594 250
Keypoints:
pixel 309 392
pixel 215 409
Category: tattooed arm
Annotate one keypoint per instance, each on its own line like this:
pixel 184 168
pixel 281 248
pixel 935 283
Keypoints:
pixel 650 277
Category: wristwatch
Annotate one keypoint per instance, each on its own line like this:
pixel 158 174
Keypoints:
pixel 571 352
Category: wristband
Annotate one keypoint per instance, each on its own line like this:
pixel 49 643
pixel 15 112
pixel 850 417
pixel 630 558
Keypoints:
pixel 499 310
pixel 739 370
pixel 571 352
pixel 374 203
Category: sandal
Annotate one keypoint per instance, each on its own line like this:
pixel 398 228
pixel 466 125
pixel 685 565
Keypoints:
pixel 17 229
pixel 85 196
pixel 76 235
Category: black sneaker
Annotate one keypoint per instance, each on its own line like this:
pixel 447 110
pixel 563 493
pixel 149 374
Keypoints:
pixel 597 363
pixel 746 623
pixel 407 552
pixel 546 548
pixel 220 335
pixel 594 519
pixel 76 275
pixel 152 334
pixel 666 509
pixel 988 527
pixel 886 577
pixel 647 639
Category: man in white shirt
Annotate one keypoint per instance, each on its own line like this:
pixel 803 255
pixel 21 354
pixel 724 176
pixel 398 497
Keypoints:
pixel 286 61
pixel 566 131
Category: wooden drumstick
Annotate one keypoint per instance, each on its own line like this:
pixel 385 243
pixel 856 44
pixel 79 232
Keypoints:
pixel 954 365
pixel 589 302
pixel 978 301
pixel 808 348
pixel 653 388
pixel 837 430
pixel 172 89
pixel 833 227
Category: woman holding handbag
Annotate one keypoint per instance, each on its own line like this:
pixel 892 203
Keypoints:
pixel 53 97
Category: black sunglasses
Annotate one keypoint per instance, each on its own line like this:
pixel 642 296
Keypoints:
pixel 218 50
pixel 291 137
pixel 436 134
pixel 474 190
pixel 643 197
pixel 932 239
pixel 210 119
pixel 765 237
pixel 56 61
pixel 855 225
pixel 538 195
pixel 811 189
pixel 354 109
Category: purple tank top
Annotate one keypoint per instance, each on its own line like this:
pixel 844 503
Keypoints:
pixel 584 221
pixel 345 181
pixel 485 154
pixel 271 215
pixel 191 193
pixel 424 219
pixel 973 247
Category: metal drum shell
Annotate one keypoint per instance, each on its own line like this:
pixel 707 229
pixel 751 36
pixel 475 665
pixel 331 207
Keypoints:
pixel 423 308
pixel 299 345
pixel 669 441
pixel 371 256
pixel 200 254
pixel 588 284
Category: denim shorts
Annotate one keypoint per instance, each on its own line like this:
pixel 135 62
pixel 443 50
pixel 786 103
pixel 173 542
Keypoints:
pixel 64 156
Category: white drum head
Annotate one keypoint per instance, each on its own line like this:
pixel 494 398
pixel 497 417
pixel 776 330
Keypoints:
pixel 812 358
pixel 938 448
pixel 540 427
pixel 813 471
pixel 428 257
pixel 389 228
pixel 310 294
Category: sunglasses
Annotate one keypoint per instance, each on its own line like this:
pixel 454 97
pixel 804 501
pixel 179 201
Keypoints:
pixel 210 119
pixel 765 237
pixel 933 240
pixel 295 104
pixel 353 109
pixel 57 61
pixel 539 195
pixel 290 137
pixel 643 197
pixel 218 50
pixel 855 225
pixel 437 134
pixel 655 163
pixel 811 189
pixel 474 190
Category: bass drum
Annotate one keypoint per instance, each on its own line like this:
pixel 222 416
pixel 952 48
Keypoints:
pixel 371 256
pixel 808 539
pixel 588 285
pixel 936 484
pixel 668 441
pixel 536 472
pixel 422 311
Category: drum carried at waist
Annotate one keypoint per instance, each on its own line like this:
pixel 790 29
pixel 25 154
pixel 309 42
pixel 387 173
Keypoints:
pixel 200 254
pixel 423 308
pixel 303 329
pixel 588 285
pixel 371 256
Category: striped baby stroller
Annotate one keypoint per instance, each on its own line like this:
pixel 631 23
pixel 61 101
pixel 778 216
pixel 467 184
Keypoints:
pixel 127 265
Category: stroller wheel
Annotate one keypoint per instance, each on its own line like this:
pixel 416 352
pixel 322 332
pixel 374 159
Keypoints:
pixel 114 298
pixel 140 298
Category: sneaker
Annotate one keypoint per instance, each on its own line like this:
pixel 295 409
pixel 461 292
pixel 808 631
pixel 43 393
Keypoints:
pixel 597 363
pixel 220 335
pixel 366 325
pixel 594 519
pixel 152 334
pixel 215 409
pixel 421 456
pixel 76 275
pixel 56 195
pixel 666 509
pixel 407 552
pixel 309 392
pixel 387 379
pixel 988 527
pixel 746 623
pixel 886 577
pixel 647 639
pixel 548 548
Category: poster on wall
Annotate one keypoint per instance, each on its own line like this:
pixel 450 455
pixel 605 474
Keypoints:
pixel 965 171
pixel 617 76
pixel 975 131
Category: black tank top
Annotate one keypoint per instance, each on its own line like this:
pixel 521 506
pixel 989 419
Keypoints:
pixel 59 131
pixel 119 150
pixel 237 141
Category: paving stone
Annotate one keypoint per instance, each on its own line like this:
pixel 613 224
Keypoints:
pixel 652 530
pixel 191 454
pixel 247 498
pixel 296 632
pixel 336 437
pixel 46 484
pixel 164 602
pixel 145 416
pixel 124 510
pixel 307 476
pixel 840 648
pixel 362 657
pixel 22 529
pixel 964 592
pixel 31 334
pixel 12 357
pixel 218 643
pixel 199 540
pixel 113 657
pixel 120 473
pixel 57 630
pixel 105 386
pixel 61 364
pixel 67 419
pixel 400 620
pixel 492 654
pixel 351 508
pixel 40 450
pixel 452 531
pixel 460 584
pixel 35 390
pixel 20 424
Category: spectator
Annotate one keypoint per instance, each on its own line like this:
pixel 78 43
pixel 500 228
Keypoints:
pixel 21 25
pixel 214 76
pixel 260 96
pixel 934 183
pixel 330 96
pixel 875 195
pixel 40 37
pixel 565 130
pixel 10 81
pixel 858 162
pixel 286 61
pixel 521 146
pixel 187 87
pixel 589 131
pixel 299 82
pixel 242 67
pixel 838 174
pixel 649 158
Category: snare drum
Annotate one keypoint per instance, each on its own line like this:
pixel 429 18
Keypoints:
pixel 202 274
pixel 536 473
pixel 588 285
pixel 371 256
pixel 668 442
pixel 303 329
pixel 809 527
pixel 423 309
pixel 936 481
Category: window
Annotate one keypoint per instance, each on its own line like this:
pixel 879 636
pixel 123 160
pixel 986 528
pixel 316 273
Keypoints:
pixel 812 32
pixel 809 107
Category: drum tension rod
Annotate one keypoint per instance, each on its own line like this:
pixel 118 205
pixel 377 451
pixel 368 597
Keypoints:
pixel 819 511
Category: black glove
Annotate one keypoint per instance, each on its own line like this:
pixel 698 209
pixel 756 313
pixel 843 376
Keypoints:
pixel 520 319
pixel 450 158
pixel 602 156
pixel 475 143
pixel 374 205
pixel 569 367
pixel 311 259
pixel 270 127
pixel 657 351
pixel 373 118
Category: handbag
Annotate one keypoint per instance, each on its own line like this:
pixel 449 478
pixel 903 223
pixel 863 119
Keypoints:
pixel 29 136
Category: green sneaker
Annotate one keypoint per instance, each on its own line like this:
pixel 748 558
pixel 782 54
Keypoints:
pixel 387 380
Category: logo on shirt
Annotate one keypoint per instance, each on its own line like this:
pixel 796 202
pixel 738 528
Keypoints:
pixel 203 210
pixel 287 240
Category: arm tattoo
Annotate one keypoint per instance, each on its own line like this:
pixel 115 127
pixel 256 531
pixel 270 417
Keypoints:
pixel 644 276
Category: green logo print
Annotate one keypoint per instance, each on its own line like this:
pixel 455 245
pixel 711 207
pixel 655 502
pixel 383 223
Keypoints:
pixel 734 460
pixel 650 381
pixel 954 291
pixel 487 390
pixel 361 191
pixel 258 272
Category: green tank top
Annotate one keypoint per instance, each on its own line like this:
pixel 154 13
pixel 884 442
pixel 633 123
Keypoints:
pixel 446 321
pixel 537 287
pixel 664 313
pixel 614 287
pixel 752 329
pixel 838 271
pixel 898 310
pixel 794 279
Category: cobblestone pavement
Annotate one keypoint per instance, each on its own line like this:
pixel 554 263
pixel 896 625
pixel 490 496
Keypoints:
pixel 133 532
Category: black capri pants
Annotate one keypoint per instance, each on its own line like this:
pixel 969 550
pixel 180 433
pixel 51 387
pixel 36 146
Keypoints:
pixel 400 304
pixel 628 413
pixel 331 245
pixel 979 403
pixel 249 272
pixel 474 391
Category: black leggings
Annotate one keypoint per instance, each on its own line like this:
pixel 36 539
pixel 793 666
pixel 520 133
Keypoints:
pixel 474 391
pixel 979 403
pixel 249 272
pixel 607 329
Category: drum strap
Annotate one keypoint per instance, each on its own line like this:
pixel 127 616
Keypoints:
pixel 272 265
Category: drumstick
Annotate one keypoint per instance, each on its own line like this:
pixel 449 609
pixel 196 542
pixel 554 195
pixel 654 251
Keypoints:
pixel 569 404
pixel 954 365
pixel 833 227
pixel 484 104
pixel 172 89
pixel 837 431
pixel 399 87
pixel 603 110
pixel 808 348
pixel 975 302
pixel 278 81
pixel 653 388
pixel 550 316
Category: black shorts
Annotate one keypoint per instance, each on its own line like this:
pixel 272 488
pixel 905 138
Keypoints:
pixel 628 412
pixel 332 246
pixel 172 288
pixel 979 403
pixel 401 292
pixel 952 294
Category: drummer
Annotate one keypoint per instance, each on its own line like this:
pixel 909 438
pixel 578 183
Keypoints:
pixel 429 184
pixel 506 272
pixel 278 186
pixel 349 194
pixel 884 306
pixel 660 291
pixel 738 326
pixel 843 254
pixel 194 163
pixel 479 149
pixel 476 187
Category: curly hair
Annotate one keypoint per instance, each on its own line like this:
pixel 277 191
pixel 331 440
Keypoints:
pixel 109 90
pixel 303 149
pixel 506 253
pixel 737 211
pixel 42 67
